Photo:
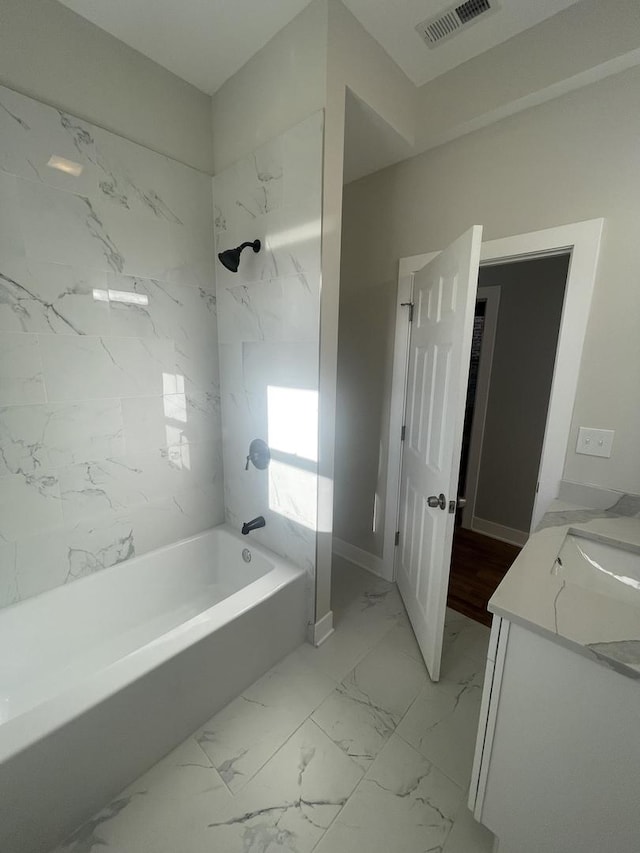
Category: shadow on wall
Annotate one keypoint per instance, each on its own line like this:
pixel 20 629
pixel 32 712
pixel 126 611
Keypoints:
pixel 365 348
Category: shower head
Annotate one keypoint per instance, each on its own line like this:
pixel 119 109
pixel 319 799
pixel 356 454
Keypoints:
pixel 230 258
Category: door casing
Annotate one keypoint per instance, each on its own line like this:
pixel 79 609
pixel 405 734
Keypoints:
pixel 582 241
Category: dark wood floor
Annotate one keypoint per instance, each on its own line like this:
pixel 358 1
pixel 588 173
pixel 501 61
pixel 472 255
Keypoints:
pixel 478 564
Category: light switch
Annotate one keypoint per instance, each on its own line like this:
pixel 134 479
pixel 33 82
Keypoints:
pixel 595 442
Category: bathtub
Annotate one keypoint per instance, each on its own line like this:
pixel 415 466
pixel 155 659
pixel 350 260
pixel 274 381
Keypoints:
pixel 101 678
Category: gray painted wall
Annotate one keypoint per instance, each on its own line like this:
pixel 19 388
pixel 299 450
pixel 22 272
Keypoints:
pixel 565 161
pixel 51 54
pixel 531 295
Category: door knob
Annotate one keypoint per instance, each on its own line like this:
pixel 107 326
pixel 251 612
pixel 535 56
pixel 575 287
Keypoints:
pixel 461 502
pixel 439 501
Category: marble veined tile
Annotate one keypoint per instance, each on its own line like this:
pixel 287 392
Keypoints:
pixel 338 654
pixel 21 374
pixel 249 188
pixel 251 312
pixel 443 721
pixel 92 488
pixel 132 177
pixel 54 435
pixel 464 636
pixel 98 544
pixel 90 367
pixel 467 835
pixel 9 593
pixel 404 804
pixel 165 520
pixel 169 420
pixel 15 278
pixel 60 299
pixel 197 370
pixel 180 313
pixel 291 802
pixel 285 309
pixel 365 709
pixel 64 554
pixel 302 148
pixel 245 734
pixel 168 809
pixel 288 537
pixel 287 365
pixel 29 504
pixel 65 228
pixel 293 238
pixel 32 133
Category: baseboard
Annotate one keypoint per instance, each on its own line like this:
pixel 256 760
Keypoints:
pixel 358 556
pixel 322 629
pixel 499 531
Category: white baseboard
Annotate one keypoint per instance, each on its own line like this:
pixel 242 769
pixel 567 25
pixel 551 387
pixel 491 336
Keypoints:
pixel 499 531
pixel 322 629
pixel 358 556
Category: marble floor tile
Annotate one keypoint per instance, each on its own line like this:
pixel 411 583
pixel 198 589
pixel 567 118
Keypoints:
pixel 443 721
pixel 291 801
pixel 466 637
pixel 404 804
pixel 339 653
pixel 166 810
pixel 348 748
pixel 363 711
pixel 402 639
pixel 467 835
pixel 244 735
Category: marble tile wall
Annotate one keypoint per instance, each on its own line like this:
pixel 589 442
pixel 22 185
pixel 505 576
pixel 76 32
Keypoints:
pixel 268 318
pixel 110 430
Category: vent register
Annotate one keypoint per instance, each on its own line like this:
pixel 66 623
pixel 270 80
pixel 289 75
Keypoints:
pixel 445 25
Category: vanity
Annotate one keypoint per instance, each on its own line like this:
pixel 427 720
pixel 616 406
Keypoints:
pixel 557 762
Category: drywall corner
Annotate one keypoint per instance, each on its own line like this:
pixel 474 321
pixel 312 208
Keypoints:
pixel 50 53
pixel 278 87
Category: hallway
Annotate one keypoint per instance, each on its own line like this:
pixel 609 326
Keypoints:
pixel 478 564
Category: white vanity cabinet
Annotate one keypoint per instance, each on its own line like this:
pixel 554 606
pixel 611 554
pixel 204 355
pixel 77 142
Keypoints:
pixel 557 764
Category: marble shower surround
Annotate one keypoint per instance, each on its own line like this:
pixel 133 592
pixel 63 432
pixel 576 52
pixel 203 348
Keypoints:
pixel 110 431
pixel 268 319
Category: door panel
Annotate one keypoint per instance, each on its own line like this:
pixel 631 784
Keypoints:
pixel 444 294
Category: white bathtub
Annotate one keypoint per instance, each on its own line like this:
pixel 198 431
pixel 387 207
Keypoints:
pixel 100 678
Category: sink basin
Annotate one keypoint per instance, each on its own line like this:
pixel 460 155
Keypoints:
pixel 605 567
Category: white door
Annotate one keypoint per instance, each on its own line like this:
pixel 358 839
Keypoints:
pixel 444 294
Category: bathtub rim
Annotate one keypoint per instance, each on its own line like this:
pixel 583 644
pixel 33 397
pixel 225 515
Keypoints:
pixel 23 731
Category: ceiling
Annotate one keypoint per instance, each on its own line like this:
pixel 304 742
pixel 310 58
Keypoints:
pixel 392 24
pixel 206 41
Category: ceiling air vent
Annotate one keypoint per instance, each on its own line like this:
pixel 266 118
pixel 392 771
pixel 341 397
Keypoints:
pixel 448 23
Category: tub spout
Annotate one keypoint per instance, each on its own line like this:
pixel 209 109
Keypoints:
pixel 254 524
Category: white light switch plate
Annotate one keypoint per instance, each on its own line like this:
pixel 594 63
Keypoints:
pixel 595 442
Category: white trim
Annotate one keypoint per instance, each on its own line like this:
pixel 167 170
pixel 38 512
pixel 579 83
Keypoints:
pixel 499 531
pixel 322 630
pixel 491 295
pixel 358 556
pixel 582 240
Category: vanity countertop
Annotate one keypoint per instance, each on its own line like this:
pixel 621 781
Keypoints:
pixel 535 596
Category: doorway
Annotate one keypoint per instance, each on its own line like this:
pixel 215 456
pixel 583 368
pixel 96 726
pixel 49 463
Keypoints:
pixel 581 242
pixel 513 352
